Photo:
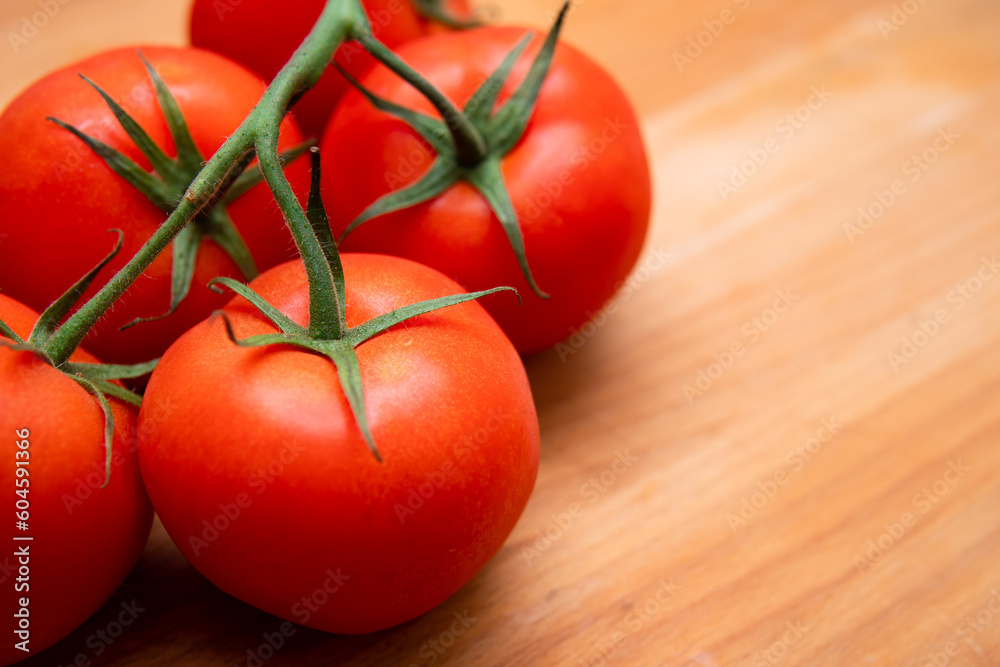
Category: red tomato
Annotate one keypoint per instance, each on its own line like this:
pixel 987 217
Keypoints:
pixel 85 539
pixel 228 28
pixel 578 179
pixel 266 485
pixel 58 203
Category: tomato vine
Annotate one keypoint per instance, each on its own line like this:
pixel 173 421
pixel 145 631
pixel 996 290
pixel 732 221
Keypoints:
pixel 256 136
pixel 328 333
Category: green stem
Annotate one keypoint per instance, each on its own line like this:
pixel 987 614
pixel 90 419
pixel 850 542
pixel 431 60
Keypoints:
pixel 69 336
pixel 259 131
pixel 470 145
pixel 324 321
pixel 435 11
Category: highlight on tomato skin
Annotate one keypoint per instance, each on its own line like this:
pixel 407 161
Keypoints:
pixel 578 179
pixel 228 28
pixel 262 459
pixel 264 464
pixel 72 197
pixel 85 537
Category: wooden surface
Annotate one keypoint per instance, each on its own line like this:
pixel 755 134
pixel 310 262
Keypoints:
pixel 873 542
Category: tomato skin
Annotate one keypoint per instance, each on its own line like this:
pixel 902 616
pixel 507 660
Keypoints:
pixel 59 202
pixel 579 181
pixel 229 30
pixel 85 539
pixel 269 457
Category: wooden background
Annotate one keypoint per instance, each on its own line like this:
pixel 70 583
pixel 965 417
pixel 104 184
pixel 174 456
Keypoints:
pixel 743 533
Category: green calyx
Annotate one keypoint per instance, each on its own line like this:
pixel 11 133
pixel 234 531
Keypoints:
pixel 170 180
pixel 97 379
pixel 471 142
pixel 436 11
pixel 328 333
pixel 220 177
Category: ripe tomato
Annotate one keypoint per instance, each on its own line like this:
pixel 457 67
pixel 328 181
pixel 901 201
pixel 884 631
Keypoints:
pixel 228 28
pixel 85 539
pixel 267 486
pixel 578 180
pixel 58 203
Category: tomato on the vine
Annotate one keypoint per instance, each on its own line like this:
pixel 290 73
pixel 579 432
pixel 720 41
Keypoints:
pixel 58 196
pixel 264 480
pixel 577 177
pixel 225 27
pixel 83 537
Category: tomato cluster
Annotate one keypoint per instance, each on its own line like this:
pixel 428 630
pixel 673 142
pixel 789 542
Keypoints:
pixel 224 27
pixel 366 417
pixel 72 197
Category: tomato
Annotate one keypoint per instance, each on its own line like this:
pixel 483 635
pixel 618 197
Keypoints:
pixel 58 198
pixel 84 539
pixel 266 485
pixel 578 179
pixel 229 29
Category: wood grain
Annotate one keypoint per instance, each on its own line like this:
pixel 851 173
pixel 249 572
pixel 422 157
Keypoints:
pixel 652 563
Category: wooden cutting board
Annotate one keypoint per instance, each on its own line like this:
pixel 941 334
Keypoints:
pixel 783 446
